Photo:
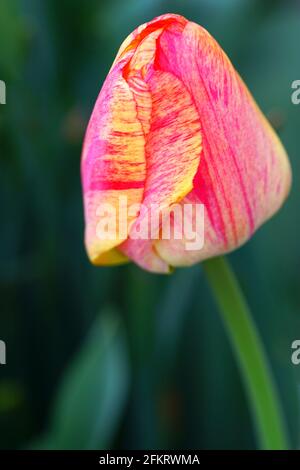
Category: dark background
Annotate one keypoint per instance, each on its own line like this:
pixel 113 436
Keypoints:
pixel 117 357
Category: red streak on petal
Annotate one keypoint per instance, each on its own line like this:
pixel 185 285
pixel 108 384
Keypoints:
pixel 105 185
pixel 152 26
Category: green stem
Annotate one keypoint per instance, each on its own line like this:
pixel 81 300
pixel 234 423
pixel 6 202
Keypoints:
pixel 250 354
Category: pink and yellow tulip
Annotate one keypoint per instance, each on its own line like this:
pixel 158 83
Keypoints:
pixel 174 123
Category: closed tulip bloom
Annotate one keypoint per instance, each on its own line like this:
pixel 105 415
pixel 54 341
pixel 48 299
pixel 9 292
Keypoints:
pixel 174 124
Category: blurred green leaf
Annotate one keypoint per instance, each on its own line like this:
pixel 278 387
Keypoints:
pixel 91 398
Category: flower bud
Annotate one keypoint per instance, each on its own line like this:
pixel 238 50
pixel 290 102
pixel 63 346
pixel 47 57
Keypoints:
pixel 174 126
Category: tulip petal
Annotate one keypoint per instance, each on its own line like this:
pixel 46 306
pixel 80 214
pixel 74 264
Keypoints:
pixel 113 161
pixel 244 175
pixel 173 149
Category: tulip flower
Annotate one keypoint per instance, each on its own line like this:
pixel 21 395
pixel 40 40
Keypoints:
pixel 174 125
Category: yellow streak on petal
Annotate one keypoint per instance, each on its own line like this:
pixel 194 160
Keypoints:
pixel 110 258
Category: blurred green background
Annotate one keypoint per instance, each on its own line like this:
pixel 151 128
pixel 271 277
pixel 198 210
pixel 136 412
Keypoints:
pixel 116 357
